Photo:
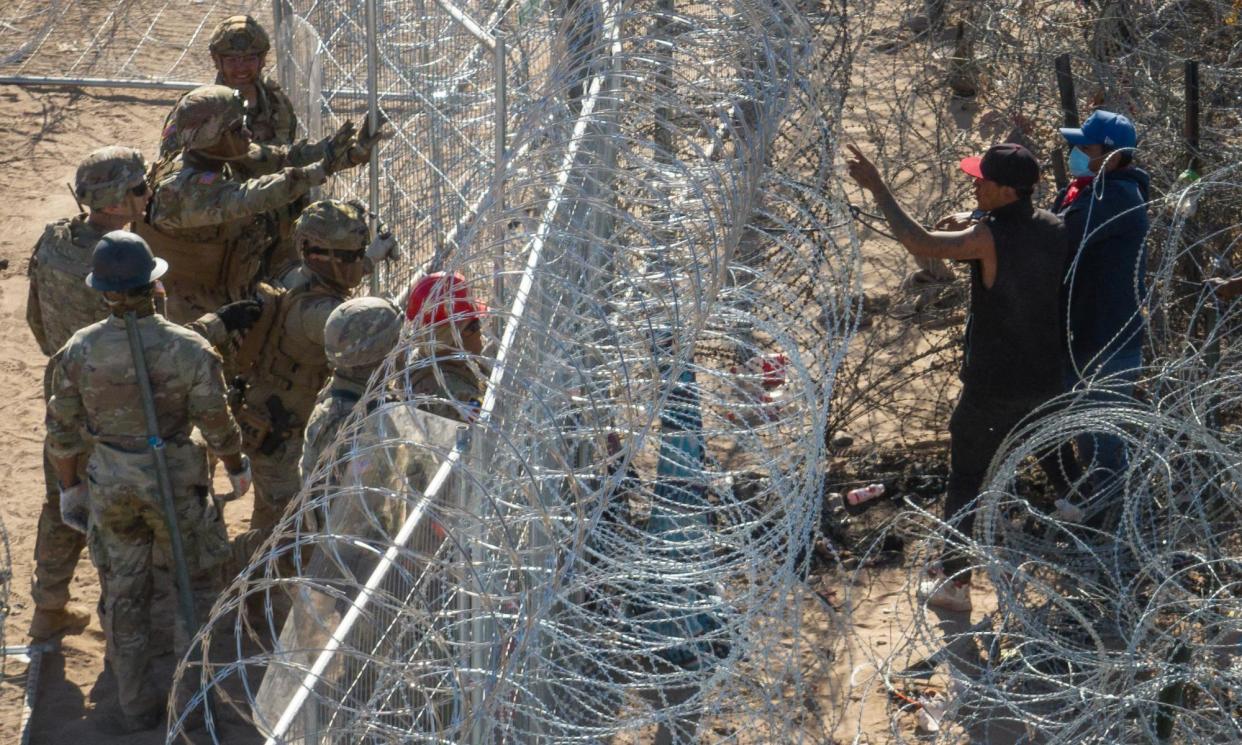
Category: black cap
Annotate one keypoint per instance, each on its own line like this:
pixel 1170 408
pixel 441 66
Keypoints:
pixel 122 261
pixel 1007 164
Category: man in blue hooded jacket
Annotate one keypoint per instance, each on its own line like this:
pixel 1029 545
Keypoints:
pixel 1105 214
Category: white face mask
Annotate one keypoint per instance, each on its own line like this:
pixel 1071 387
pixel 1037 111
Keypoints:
pixel 1080 163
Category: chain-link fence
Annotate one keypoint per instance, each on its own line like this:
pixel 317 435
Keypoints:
pixel 430 72
pixel 123 43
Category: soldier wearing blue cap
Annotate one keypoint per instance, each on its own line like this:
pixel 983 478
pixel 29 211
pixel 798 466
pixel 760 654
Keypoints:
pixel 1105 213
pixel 1013 362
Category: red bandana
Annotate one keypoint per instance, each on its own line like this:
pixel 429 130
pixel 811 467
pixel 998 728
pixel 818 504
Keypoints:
pixel 1076 187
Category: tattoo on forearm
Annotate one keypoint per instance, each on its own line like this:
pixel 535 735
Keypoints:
pixel 908 232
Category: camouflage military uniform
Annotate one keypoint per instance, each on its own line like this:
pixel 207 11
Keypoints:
pixel 59 304
pixel 95 390
pixel 228 217
pixel 213 223
pixel 335 402
pixel 358 335
pixel 280 393
pixel 447 388
pixel 274 126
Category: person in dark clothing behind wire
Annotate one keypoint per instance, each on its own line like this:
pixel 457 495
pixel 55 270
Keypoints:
pixel 1105 213
pixel 1014 356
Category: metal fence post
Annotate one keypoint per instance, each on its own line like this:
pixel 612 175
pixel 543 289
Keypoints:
pixel 284 42
pixel 372 12
pixel 498 176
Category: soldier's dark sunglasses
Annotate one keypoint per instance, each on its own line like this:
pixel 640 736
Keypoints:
pixel 139 190
pixel 344 257
pixel 473 327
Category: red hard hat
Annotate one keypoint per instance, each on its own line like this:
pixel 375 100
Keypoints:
pixel 440 297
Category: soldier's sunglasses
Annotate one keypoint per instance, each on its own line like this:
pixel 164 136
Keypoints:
pixel 343 257
pixel 473 327
pixel 139 190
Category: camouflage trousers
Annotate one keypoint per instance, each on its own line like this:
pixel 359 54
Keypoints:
pixel 127 526
pixel 276 483
pixel 57 549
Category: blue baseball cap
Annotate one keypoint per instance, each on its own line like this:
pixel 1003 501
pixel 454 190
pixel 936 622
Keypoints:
pixel 1103 128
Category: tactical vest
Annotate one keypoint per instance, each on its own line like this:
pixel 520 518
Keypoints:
pixel 60 231
pixel 276 364
pixel 226 256
pixel 62 302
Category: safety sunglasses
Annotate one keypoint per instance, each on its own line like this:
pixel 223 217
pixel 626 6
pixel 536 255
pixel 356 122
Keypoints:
pixel 140 190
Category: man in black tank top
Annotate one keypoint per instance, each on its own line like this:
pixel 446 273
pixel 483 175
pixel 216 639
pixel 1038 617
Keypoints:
pixel 1013 356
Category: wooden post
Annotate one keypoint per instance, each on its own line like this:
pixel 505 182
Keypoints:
pixel 1065 85
pixel 1060 175
pixel 1190 127
pixel 1069 116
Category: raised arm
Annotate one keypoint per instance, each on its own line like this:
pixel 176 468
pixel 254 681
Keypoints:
pixel 973 243
pixel 211 200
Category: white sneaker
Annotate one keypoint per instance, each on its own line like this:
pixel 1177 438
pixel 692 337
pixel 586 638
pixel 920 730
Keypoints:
pixel 946 594
pixel 1067 512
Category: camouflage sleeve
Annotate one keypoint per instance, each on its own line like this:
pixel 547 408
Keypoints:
pixel 208 405
pixel 210 327
pixel 66 418
pixel 310 453
pixel 319 434
pixel 34 311
pixel 304 153
pixel 209 199
pixel 267 158
pixel 168 136
pixel 169 143
pixel 288 129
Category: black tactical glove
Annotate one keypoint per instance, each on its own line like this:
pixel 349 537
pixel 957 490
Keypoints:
pixel 240 315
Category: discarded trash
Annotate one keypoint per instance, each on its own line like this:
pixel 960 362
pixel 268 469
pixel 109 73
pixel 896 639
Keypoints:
pixel 863 494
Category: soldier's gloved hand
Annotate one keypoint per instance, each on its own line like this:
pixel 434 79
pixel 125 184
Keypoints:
pixel 240 315
pixel 340 140
pixel 336 154
pixel 240 480
pixel 366 140
pixel 384 247
pixel 75 506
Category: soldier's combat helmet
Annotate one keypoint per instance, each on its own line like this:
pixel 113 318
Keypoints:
pixel 107 175
pixel 332 225
pixel 123 261
pixel 336 234
pixel 205 114
pixel 239 35
pixel 361 332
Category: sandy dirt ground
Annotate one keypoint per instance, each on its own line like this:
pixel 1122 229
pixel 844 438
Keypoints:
pixel 43 135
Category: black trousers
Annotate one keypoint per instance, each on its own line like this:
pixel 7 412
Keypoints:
pixel 978 425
